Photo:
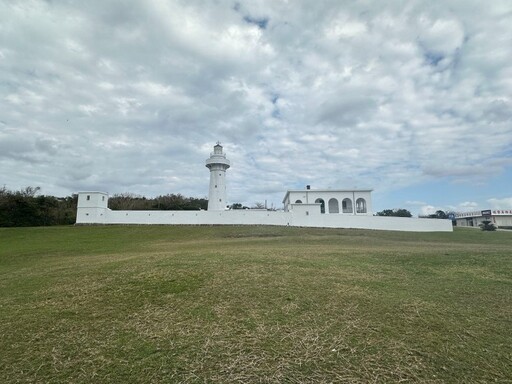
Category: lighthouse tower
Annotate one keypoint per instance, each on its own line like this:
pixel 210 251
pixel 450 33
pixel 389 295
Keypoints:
pixel 217 164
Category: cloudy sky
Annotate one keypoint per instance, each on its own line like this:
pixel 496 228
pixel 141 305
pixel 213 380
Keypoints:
pixel 410 98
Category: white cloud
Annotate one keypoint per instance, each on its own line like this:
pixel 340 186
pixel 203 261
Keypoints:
pixel 504 203
pixel 440 36
pixel 467 206
pixel 428 210
pixel 333 94
pixel 343 27
pixel 425 209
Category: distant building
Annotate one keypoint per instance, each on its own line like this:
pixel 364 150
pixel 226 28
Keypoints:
pixel 501 218
pixel 321 208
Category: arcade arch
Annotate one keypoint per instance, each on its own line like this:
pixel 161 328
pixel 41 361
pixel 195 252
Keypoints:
pixel 346 206
pixel 333 206
pixel 322 204
pixel 361 205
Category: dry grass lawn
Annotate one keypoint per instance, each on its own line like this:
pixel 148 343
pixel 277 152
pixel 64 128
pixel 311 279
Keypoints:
pixel 164 304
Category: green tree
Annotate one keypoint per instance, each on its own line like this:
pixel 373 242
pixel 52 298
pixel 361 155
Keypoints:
pixel 398 212
pixel 169 202
pixel 26 208
pixel 178 202
pixel 438 215
pixel 487 225
pixel 128 201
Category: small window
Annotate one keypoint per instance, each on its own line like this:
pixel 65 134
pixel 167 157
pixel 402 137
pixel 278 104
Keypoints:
pixel 298 201
pixel 215 186
pixel 220 200
pixel 102 198
pixel 88 197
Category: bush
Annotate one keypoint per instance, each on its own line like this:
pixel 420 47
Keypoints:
pixel 398 212
pixel 487 226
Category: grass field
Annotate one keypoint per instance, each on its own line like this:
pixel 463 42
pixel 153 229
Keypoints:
pixel 165 304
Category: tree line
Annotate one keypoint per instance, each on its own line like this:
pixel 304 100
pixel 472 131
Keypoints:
pixel 401 212
pixel 28 208
pixel 169 202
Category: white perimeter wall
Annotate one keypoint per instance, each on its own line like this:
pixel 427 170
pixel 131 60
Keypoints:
pixel 293 218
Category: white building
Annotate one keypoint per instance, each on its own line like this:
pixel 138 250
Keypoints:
pixel 331 201
pixel 501 218
pixel 336 208
pixel 92 207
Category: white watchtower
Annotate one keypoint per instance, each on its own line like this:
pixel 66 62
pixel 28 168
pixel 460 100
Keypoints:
pixel 217 164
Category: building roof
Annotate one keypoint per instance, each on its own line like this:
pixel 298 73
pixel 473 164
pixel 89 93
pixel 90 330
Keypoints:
pixel 485 212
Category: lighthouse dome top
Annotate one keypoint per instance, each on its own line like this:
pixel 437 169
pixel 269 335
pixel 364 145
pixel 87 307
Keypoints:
pixel 217 157
pixel 217 148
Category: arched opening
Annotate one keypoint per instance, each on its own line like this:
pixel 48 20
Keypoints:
pixel 322 205
pixel 298 201
pixel 361 205
pixel 333 206
pixel 346 206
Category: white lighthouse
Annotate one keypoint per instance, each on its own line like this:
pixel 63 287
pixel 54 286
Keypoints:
pixel 217 164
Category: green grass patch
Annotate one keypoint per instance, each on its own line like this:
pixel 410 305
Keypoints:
pixel 138 304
